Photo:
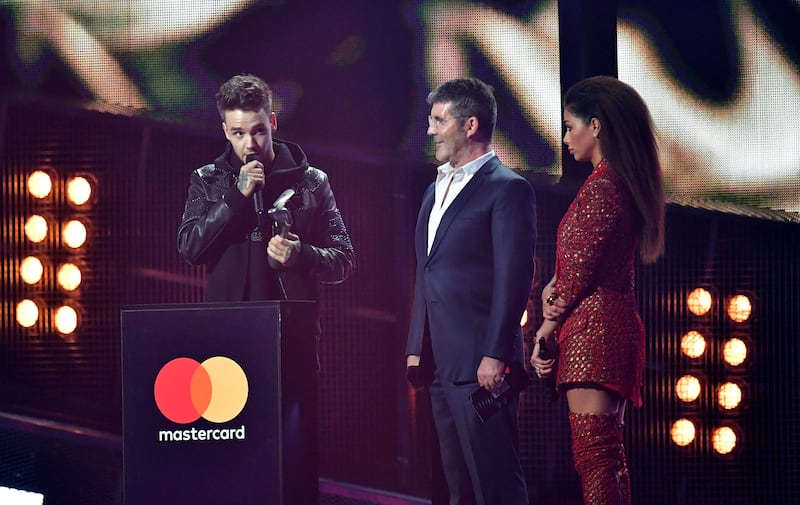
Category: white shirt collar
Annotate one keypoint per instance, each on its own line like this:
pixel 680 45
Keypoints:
pixel 466 169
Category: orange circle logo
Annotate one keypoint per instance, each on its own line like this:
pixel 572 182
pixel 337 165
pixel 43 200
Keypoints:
pixel 215 390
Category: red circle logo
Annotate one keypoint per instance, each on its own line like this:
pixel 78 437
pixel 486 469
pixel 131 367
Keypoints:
pixel 215 390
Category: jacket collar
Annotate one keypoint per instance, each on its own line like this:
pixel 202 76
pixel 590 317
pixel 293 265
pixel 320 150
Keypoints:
pixel 459 203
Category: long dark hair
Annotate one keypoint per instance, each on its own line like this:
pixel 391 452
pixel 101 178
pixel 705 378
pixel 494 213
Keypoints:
pixel 628 142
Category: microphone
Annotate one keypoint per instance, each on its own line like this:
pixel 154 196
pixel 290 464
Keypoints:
pixel 258 200
pixel 487 403
pixel 550 382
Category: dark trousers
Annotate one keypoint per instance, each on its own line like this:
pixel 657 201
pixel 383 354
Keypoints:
pixel 480 460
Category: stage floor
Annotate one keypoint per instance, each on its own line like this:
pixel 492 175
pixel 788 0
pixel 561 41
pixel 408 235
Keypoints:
pixel 342 493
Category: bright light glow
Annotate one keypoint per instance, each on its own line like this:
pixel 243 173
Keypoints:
pixel 66 320
pixel 79 190
pixel 693 344
pixel 36 228
pixel 729 395
pixel 69 276
pixel 682 432
pixel 723 439
pixel 27 313
pixel 734 352
pixel 739 308
pixel 31 270
pixel 524 319
pixel 11 496
pixel 74 234
pixel 699 302
pixel 688 388
pixel 39 184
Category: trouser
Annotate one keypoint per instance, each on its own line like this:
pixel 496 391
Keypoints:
pixel 480 460
pixel 600 458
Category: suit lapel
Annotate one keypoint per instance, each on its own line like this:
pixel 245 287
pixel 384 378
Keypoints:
pixel 422 223
pixel 460 202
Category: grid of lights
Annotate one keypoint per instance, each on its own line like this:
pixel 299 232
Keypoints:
pixel 56 240
pixel 715 369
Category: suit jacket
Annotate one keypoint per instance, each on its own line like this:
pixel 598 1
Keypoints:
pixel 471 290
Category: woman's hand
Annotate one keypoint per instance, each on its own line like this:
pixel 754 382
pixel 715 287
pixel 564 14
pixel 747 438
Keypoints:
pixel 543 365
pixel 553 307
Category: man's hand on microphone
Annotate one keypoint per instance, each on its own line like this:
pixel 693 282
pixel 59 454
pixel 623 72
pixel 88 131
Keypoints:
pixel 251 177
pixel 284 250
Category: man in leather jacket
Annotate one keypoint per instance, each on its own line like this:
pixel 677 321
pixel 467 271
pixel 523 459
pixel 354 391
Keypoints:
pixel 245 257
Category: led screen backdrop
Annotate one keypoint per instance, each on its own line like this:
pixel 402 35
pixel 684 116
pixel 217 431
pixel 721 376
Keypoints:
pixel 721 77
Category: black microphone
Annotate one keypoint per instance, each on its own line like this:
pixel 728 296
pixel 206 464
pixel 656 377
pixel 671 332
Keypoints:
pixel 550 382
pixel 258 200
pixel 486 403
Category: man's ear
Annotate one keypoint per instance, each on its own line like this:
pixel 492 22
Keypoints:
pixel 471 124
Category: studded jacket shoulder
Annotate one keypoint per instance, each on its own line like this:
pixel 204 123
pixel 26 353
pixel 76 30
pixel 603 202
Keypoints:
pixel 218 220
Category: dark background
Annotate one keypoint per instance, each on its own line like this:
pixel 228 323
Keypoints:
pixel 352 86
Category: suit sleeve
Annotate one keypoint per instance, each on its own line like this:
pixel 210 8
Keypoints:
pixel 417 325
pixel 513 242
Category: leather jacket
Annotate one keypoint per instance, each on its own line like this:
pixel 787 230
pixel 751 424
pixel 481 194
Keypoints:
pixel 219 223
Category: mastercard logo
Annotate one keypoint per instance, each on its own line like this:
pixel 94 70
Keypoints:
pixel 186 390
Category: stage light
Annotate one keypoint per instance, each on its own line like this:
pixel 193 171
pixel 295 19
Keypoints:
pixel 31 270
pixel 724 440
pixel 682 432
pixel 739 308
pixel 729 395
pixel 66 320
pixel 27 313
pixel 12 496
pixel 39 184
pixel 69 276
pixel 734 352
pixel 36 228
pixel 693 344
pixel 74 234
pixel 524 319
pixel 699 301
pixel 79 190
pixel 688 388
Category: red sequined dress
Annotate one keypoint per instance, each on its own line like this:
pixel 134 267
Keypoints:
pixel 602 339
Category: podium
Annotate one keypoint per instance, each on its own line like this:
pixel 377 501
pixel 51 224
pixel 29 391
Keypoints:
pixel 220 403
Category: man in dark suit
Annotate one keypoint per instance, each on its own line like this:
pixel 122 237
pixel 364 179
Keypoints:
pixel 475 241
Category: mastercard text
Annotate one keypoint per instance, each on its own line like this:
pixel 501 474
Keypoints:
pixel 198 434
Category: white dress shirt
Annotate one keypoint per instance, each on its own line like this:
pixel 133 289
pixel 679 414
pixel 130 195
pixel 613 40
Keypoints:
pixel 449 183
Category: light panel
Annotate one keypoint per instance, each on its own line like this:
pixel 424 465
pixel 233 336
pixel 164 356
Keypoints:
pixel 699 301
pixel 40 184
pixel 682 432
pixel 36 228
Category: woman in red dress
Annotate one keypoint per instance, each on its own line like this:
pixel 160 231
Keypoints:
pixel 589 306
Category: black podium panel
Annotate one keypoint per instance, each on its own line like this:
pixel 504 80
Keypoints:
pixel 219 404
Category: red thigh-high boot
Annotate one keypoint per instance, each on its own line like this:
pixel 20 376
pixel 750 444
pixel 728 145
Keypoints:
pixel 600 459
